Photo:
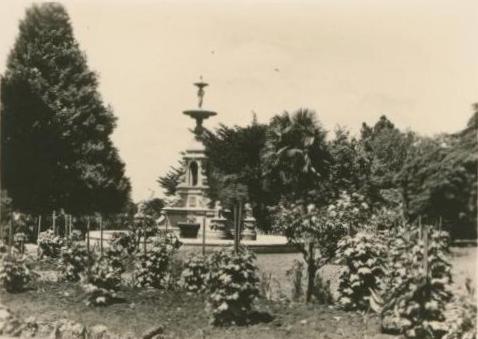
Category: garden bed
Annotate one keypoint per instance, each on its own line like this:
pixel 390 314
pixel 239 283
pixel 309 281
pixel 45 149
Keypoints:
pixel 183 315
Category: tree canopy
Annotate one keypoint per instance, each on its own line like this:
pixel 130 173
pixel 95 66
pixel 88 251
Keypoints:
pixel 56 146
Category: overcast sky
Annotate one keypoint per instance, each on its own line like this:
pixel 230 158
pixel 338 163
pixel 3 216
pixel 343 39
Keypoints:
pixel 350 61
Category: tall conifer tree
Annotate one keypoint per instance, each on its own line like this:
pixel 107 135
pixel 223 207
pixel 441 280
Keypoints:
pixel 56 129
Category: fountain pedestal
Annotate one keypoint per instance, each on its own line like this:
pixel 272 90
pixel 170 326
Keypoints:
pixel 191 204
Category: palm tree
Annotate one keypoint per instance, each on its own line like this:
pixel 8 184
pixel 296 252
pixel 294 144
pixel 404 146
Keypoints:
pixel 295 157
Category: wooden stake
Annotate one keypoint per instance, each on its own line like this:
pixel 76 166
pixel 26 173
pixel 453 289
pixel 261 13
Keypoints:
pixel 65 226
pixel 236 245
pixel 420 231
pixel 54 222
pixel 88 243
pixel 10 235
pixel 39 228
pixel 101 236
pixel 439 223
pixel 425 252
pixel 204 236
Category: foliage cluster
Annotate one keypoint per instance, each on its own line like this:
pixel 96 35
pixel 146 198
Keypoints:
pixel 74 261
pixel 418 283
pixel 364 256
pixel 154 268
pixel 232 287
pixel 50 244
pixel 14 273
pixel 102 282
pixel 194 274
pixel 461 319
pixel 315 232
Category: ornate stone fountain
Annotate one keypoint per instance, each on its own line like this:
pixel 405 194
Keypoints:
pixel 191 210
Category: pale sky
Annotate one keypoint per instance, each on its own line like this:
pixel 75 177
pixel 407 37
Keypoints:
pixel 350 61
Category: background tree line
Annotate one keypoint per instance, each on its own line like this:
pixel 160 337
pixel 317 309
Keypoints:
pixel 292 159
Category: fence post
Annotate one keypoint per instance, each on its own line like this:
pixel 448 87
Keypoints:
pixel 101 236
pixel 39 228
pixel 425 252
pixel 66 225
pixel 53 217
pixel 10 235
pixel 235 216
pixel 204 236
pixel 88 243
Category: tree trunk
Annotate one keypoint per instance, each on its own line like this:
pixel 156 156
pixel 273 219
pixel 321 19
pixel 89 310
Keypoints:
pixel 311 272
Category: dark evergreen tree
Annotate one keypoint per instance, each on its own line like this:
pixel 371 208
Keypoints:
pixel 56 129
pixel 170 180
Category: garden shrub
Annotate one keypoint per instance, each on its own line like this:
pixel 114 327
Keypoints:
pixel 194 274
pixel 461 319
pixel 76 235
pixel 154 268
pixel 123 242
pixel 50 244
pixel 14 273
pixel 102 284
pixel 417 292
pixel 364 257
pixel 74 261
pixel 232 287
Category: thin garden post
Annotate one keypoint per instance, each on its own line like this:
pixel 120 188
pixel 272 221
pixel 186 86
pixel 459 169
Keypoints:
pixel 144 238
pixel 239 224
pixel 236 245
pixel 10 235
pixel 425 252
pixel 39 228
pixel 66 225
pixel 101 236
pixel 88 242
pixel 204 236
pixel 53 216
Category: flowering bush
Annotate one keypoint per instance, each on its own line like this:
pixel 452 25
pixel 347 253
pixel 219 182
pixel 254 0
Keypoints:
pixel 194 274
pixel 123 242
pixel 315 232
pixel 461 318
pixel 50 244
pixel 364 257
pixel 14 274
pixel 74 261
pixel 350 211
pixel 153 269
pixel 76 235
pixel 418 290
pixel 232 286
pixel 102 283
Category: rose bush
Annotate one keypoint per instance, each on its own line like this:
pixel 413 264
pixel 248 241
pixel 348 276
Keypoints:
pixel 364 257
pixel 154 268
pixel 232 287
pixel 194 274
pixel 50 244
pixel 74 261
pixel 417 290
pixel 14 273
